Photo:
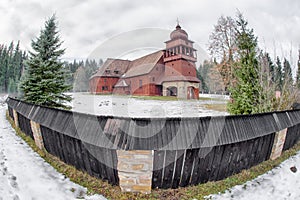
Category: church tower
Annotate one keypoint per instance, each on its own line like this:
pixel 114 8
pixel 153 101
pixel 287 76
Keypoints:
pixel 180 69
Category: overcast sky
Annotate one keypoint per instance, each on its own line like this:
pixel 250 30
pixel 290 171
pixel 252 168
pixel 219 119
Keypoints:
pixel 86 25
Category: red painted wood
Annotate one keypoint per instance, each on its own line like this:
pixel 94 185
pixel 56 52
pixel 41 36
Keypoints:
pixel 104 85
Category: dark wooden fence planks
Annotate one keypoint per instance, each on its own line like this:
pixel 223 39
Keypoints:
pixel 24 125
pixel 10 112
pixel 98 162
pixel 292 137
pixel 193 166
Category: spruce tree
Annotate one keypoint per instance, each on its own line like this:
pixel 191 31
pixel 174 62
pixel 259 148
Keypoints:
pixel 44 83
pixel 298 72
pixel 278 75
pixel 287 73
pixel 246 94
pixel 202 74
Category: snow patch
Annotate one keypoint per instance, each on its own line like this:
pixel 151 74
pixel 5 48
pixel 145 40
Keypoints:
pixel 133 107
pixel 25 175
pixel 279 183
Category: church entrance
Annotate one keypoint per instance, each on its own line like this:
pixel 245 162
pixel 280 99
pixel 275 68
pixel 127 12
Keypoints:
pixel 172 91
pixel 192 93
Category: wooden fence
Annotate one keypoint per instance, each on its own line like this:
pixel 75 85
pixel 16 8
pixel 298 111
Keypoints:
pixel 171 152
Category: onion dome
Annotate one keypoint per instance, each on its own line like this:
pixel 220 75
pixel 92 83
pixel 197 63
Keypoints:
pixel 178 33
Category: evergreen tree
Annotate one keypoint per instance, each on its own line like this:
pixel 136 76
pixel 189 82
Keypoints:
pixel 90 67
pixel 44 83
pixel 287 73
pixel 247 95
pixel 278 75
pixel 11 64
pixel 202 74
pixel 298 72
pixel 269 67
pixel 81 82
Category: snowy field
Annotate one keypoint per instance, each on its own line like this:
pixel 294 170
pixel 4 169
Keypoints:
pixel 278 184
pixel 24 175
pixel 134 107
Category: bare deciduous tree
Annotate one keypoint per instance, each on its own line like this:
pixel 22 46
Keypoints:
pixel 222 47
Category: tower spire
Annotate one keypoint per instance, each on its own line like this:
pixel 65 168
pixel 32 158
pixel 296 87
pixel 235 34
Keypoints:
pixel 178 26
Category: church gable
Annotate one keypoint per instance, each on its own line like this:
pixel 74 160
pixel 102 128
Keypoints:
pixel 143 65
pixel 113 68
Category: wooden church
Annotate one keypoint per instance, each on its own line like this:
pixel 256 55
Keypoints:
pixel 168 72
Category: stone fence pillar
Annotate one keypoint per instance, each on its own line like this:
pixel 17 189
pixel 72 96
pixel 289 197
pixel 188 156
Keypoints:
pixel 135 170
pixel 36 130
pixel 16 119
pixel 278 144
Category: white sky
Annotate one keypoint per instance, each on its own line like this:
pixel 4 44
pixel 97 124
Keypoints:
pixel 86 24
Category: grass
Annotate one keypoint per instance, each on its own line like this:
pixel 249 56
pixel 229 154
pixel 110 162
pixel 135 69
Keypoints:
pixel 95 185
pixel 217 107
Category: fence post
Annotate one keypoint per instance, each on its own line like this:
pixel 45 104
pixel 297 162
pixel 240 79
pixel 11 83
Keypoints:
pixel 36 130
pixel 135 170
pixel 16 119
pixel 278 144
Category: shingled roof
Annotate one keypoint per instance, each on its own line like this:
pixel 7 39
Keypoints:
pixel 162 79
pixel 143 65
pixel 113 68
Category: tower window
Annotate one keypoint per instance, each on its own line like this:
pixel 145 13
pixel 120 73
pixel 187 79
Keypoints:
pixel 187 51
pixel 140 83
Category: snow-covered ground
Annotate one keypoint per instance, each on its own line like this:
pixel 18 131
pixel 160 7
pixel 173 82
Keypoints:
pixel 24 175
pixel 278 184
pixel 134 107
